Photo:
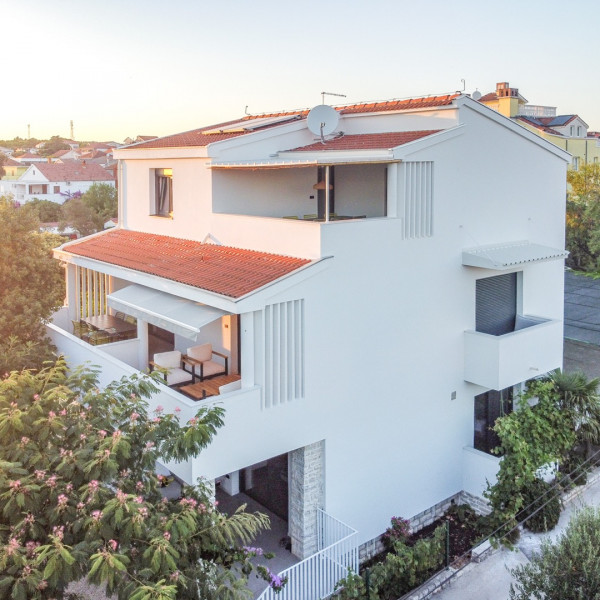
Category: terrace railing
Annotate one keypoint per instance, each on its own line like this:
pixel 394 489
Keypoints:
pixel 316 576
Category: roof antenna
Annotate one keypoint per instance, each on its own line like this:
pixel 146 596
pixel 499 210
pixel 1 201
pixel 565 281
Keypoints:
pixel 323 94
pixel 464 86
pixel 246 110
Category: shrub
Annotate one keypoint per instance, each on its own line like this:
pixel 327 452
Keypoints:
pixel 542 497
pixel 566 568
pixel 398 531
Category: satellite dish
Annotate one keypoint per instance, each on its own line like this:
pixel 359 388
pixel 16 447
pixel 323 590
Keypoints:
pixel 476 95
pixel 322 120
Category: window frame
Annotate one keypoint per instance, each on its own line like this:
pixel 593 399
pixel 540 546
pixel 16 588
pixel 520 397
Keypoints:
pixel 161 182
pixel 493 404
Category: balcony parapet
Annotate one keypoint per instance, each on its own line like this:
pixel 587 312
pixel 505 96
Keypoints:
pixel 497 362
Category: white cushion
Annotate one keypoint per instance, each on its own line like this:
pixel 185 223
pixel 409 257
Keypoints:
pixel 177 376
pixel 210 367
pixel 201 353
pixel 168 360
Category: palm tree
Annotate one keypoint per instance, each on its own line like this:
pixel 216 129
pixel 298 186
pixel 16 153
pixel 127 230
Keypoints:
pixel 579 396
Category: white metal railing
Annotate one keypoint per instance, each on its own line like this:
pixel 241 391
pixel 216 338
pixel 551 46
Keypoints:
pixel 316 576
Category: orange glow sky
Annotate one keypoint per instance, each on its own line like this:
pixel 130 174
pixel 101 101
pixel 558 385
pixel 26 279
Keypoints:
pixel 142 67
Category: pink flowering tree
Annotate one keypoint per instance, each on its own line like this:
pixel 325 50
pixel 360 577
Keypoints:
pixel 79 496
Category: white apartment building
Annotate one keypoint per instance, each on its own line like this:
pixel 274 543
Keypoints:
pixel 382 279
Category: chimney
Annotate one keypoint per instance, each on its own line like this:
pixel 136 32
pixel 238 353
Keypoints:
pixel 83 163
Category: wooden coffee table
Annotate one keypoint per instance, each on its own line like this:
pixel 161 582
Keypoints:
pixel 208 387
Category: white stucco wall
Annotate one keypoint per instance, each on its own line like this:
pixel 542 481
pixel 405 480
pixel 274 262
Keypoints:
pixel 384 320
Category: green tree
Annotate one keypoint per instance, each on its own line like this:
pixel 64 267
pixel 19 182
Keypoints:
pixel 54 144
pixel 32 287
pixel 81 217
pixel 102 199
pixel 2 161
pixel 80 497
pixel 583 217
pixel 568 568
pixel 45 210
pixel 89 213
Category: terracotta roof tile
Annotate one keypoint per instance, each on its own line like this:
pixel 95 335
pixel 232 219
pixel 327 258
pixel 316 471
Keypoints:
pixel 224 270
pixel 73 171
pixel 197 138
pixel 368 141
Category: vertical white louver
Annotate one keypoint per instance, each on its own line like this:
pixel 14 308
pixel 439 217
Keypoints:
pixel 90 292
pixel 284 352
pixel 418 199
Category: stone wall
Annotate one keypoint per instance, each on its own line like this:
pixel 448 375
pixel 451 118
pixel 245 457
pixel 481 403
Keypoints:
pixel 425 518
pixel 307 494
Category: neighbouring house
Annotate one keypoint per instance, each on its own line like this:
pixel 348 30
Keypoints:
pixel 12 169
pixel 569 132
pixel 55 227
pixel 29 158
pixel 382 279
pixel 56 181
pixel 65 155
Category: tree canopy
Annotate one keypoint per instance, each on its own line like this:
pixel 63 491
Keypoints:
pixel 80 496
pixel 54 144
pixel 89 213
pixel 32 286
pixel 583 217
pixel 568 568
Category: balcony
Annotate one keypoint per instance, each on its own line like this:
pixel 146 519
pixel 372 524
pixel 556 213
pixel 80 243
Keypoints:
pixel 497 362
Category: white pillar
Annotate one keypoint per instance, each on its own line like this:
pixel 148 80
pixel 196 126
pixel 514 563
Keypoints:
pixel 392 190
pixel 71 299
pixel 142 333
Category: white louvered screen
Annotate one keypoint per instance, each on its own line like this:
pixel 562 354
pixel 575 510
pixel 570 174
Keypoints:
pixel 418 199
pixel 284 352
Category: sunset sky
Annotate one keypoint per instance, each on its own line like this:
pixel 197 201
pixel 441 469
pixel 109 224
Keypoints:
pixel 143 67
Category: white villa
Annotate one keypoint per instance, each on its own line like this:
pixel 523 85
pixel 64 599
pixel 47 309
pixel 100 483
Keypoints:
pixel 54 181
pixel 381 286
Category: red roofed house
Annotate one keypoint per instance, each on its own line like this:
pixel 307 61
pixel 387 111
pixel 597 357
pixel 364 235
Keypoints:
pixel 58 181
pixel 376 280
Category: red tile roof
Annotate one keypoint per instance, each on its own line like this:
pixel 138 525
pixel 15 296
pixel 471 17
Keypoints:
pixel 231 272
pixel 368 141
pixel 9 162
pixel 73 171
pixel 196 137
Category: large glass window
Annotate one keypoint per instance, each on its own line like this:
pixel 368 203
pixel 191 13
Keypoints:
pixel 163 192
pixel 488 407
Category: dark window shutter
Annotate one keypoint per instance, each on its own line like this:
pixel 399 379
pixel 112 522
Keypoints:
pixel 496 304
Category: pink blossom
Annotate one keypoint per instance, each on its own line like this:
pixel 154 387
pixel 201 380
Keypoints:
pixel 83 437
pixel 36 397
pixel 177 409
pixel 40 474
pixel 167 535
pixel 132 395
pixel 80 506
pixel 93 486
pixel 25 440
pixel 159 409
pixel 42 585
pixel 12 546
pixel 69 487
pixel 175 576
pixel 113 545
pixel 116 434
pixel 139 486
pixel 62 500
pixel 59 532
pixel 63 412
pixel 193 421
pixel 51 481
pixel 149 445
pixel 102 433
pixel 96 515
pixel 134 416
pixel 14 485
pixel 51 415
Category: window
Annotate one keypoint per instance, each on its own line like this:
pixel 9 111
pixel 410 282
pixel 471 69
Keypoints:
pixel 496 304
pixel 163 192
pixel 578 131
pixel 488 407
pixel 572 129
pixel 576 163
pixel 57 189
